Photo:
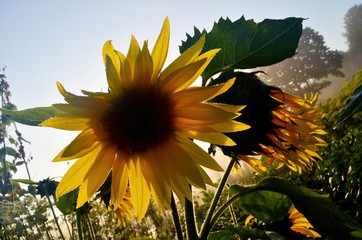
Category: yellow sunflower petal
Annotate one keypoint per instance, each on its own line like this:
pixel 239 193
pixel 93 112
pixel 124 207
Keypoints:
pixel 125 71
pixel 86 103
pixel 133 52
pixel 83 141
pixel 203 112
pixel 139 190
pixel 159 51
pixel 230 126
pixel 213 137
pixel 66 122
pixel 113 76
pixel 198 154
pixel 185 58
pixel 152 168
pixel 113 64
pixel 100 169
pixel 60 158
pixel 178 78
pixel 142 77
pixel 119 180
pixel 199 94
pixel 228 107
pixel 82 194
pixel 63 91
pixel 78 112
pixel 182 163
pixel 74 177
pixel 180 84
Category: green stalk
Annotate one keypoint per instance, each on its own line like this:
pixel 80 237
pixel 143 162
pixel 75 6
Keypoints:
pixel 54 215
pixel 67 224
pixel 91 229
pixel 190 220
pixel 176 218
pixel 232 213
pixel 206 227
pixel 221 210
pixel 79 225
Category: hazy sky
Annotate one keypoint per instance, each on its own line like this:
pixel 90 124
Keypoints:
pixel 47 41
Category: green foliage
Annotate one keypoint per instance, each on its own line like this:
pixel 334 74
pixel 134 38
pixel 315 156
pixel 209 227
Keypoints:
pixel 246 233
pixel 32 116
pixel 25 181
pixel 266 206
pixel 222 235
pixel 330 221
pixel 68 202
pixel 353 105
pixel 11 147
pixel 340 172
pixel 246 44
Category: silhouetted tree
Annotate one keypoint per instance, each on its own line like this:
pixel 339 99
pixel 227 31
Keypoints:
pixel 304 72
pixel 353 26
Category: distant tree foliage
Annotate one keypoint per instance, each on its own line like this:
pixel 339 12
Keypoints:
pixel 304 72
pixel 353 26
pixel 353 34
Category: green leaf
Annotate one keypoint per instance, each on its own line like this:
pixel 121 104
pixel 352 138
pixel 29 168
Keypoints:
pixel 25 181
pixel 354 105
pixel 246 44
pixel 221 235
pixel 19 163
pixel 267 206
pixel 246 233
pixel 32 116
pixel 320 211
pixel 68 202
pixel 9 151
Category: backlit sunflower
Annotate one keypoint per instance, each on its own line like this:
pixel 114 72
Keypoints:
pixel 124 211
pixel 300 224
pixel 140 130
pixel 284 128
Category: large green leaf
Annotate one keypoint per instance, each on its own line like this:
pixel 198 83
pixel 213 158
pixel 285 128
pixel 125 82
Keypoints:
pixel 32 116
pixel 25 181
pixel 354 105
pixel 320 211
pixel 68 202
pixel 246 44
pixel 267 206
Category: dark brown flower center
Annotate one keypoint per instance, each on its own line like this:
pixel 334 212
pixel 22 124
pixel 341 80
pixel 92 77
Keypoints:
pixel 139 120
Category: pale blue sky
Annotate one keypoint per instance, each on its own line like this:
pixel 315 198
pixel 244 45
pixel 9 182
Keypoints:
pixel 47 41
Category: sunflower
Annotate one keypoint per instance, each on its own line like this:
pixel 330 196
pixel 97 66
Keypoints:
pixel 293 223
pixel 124 210
pixel 284 128
pixel 295 136
pixel 140 131
pixel 300 224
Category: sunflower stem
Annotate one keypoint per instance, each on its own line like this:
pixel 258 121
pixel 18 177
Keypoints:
pixel 220 211
pixel 54 215
pixel 79 225
pixel 206 226
pixel 190 220
pixel 176 218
